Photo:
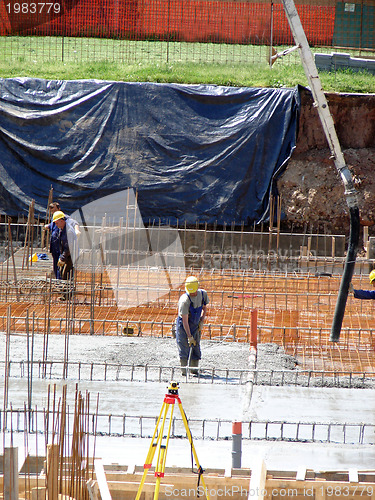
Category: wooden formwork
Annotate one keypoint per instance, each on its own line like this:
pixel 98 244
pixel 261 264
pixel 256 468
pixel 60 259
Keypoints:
pixel 112 482
pixel 257 483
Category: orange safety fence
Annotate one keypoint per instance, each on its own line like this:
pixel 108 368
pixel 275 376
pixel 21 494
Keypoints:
pixel 216 21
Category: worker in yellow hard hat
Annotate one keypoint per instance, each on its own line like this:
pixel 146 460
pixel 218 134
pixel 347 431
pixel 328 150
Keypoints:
pixel 365 294
pixel 189 323
pixel 64 263
pixel 54 245
pixel 54 232
pixel 67 243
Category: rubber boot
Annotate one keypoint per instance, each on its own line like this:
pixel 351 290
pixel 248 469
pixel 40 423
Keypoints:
pixel 183 362
pixel 194 366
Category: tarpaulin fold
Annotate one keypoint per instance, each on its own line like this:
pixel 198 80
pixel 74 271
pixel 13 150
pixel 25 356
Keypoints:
pixel 192 152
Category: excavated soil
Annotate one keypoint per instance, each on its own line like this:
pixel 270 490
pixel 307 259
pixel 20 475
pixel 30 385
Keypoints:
pixel 311 190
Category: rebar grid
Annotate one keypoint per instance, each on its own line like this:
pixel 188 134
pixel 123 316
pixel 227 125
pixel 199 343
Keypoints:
pixel 110 372
pixel 294 310
pixel 15 420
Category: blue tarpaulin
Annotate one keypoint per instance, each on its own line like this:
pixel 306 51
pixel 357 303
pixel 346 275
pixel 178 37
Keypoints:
pixel 192 152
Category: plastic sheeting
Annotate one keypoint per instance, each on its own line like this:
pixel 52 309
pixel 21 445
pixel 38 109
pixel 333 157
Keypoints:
pixel 192 152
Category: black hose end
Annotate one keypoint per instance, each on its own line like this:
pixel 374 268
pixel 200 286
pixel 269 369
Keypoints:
pixel 346 276
pixel 334 337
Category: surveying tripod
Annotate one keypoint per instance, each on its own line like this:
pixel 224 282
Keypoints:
pixel 157 442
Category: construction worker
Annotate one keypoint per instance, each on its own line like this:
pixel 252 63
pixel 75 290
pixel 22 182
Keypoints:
pixel 365 294
pixel 189 323
pixel 68 245
pixel 54 245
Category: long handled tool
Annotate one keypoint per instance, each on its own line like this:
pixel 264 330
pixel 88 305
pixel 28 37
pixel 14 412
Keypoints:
pixel 188 361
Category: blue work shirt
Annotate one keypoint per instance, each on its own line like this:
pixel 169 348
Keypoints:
pixel 364 294
pixel 54 244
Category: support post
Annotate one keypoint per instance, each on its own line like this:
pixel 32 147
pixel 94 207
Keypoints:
pixel 102 480
pixel 11 487
pixel 257 485
pixel 236 445
pixel 254 329
pixel 52 471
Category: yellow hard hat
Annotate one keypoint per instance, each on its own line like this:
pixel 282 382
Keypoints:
pixel 58 215
pixel 371 276
pixel 191 284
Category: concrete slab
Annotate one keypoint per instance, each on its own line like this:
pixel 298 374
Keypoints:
pixel 135 398
pixel 312 404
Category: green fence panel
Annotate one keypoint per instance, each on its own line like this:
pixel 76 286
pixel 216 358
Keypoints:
pixel 354 26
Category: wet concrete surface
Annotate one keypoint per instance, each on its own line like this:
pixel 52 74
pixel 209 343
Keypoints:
pixel 222 402
pixel 151 351
pixel 135 398
pixel 201 401
pixel 311 404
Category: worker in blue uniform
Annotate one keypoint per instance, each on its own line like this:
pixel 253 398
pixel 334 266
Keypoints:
pixel 365 294
pixel 55 236
pixel 191 314
pixel 68 243
pixel 54 244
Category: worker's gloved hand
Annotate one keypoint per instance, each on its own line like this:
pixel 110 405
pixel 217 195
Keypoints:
pixel 191 341
pixel 351 289
pixel 200 324
pixel 60 263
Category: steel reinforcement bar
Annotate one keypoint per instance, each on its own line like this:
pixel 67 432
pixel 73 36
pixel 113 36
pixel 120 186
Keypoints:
pixel 33 421
pixel 113 372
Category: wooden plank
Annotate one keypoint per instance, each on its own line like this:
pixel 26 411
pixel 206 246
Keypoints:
pixel 93 489
pixel 131 469
pixel 257 485
pixel 301 473
pixel 38 493
pixel 52 471
pixel 319 494
pixel 101 479
pixel 11 484
pixel 133 486
pixel 323 488
pixel 353 476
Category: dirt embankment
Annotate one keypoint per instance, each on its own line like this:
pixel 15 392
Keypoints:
pixel 311 189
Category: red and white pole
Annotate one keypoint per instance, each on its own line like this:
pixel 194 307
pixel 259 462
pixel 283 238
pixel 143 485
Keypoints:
pixel 236 444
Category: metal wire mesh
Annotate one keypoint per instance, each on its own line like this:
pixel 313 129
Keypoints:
pixel 211 429
pixel 175 30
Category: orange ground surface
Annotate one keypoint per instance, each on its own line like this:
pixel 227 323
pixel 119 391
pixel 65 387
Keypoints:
pixel 295 311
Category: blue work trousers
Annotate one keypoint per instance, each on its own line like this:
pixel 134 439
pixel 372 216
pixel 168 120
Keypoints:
pixel 182 341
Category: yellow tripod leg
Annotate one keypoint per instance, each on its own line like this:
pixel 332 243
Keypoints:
pixel 190 438
pixel 150 454
pixel 163 452
pixel 162 457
